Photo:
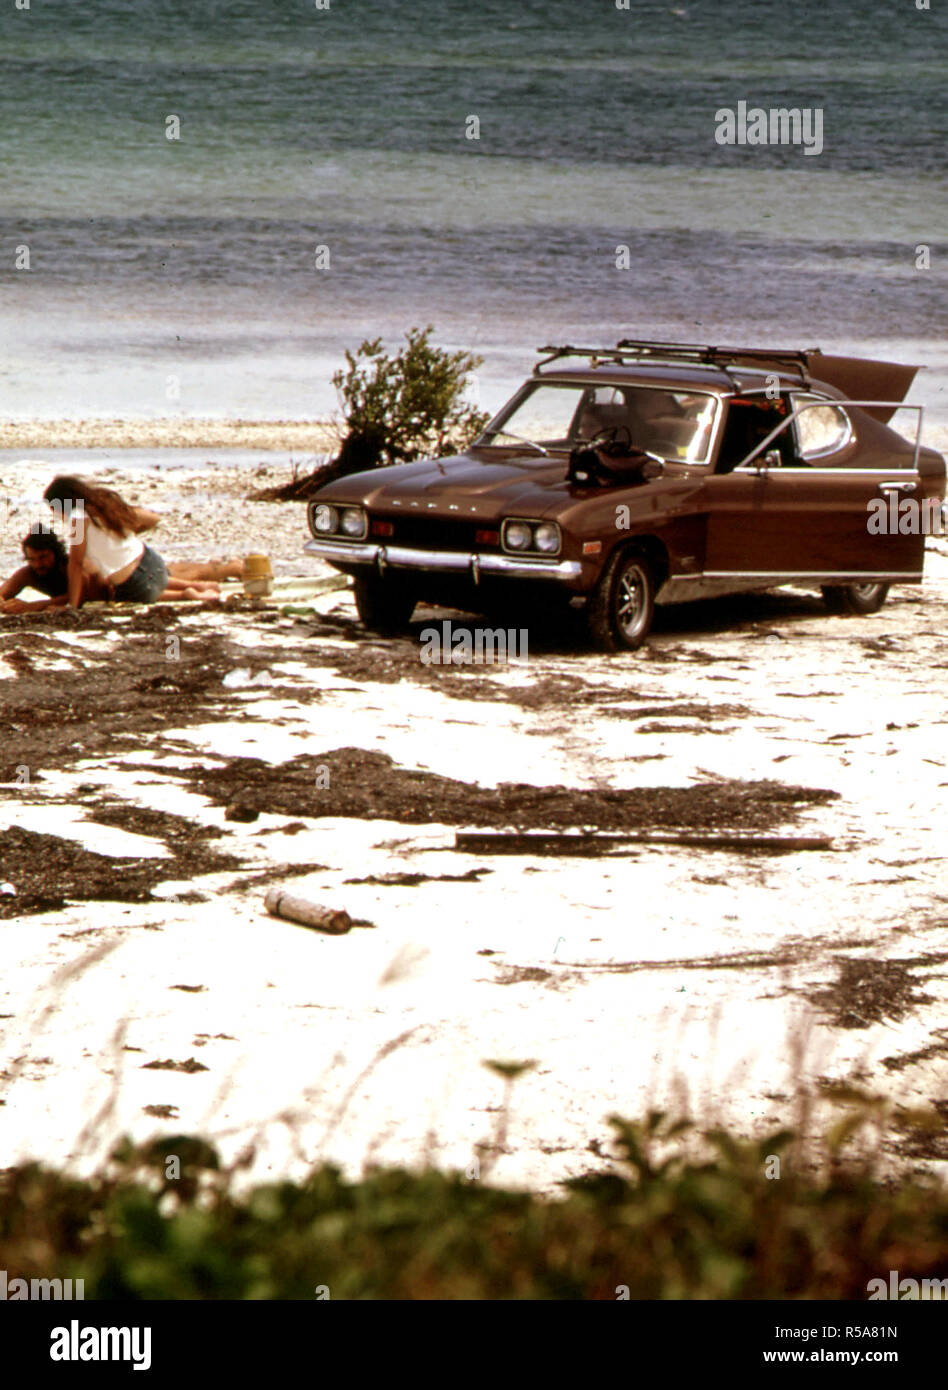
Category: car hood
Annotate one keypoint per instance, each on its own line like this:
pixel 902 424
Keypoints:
pixel 480 485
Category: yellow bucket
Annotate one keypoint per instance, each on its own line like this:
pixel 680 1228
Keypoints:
pixel 258 575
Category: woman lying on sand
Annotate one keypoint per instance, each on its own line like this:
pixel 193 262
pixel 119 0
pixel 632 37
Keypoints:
pixel 47 571
pixel 107 542
pixel 107 558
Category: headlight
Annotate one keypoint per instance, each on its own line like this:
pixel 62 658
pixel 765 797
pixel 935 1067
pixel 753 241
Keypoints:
pixel 547 538
pixel 324 519
pixel 539 537
pixel 518 535
pixel 353 521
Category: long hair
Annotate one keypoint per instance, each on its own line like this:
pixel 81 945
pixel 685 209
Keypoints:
pixel 103 506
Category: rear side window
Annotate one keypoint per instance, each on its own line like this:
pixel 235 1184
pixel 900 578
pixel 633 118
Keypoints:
pixel 822 428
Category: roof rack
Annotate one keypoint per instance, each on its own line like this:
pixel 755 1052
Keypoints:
pixel 630 349
pixel 616 353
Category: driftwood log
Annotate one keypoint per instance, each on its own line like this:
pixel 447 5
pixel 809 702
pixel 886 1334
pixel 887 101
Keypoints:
pixel 292 909
pixel 513 842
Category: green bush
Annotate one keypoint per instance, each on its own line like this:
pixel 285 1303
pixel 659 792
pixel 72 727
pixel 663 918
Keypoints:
pixel 395 409
pixel 676 1228
pixel 407 406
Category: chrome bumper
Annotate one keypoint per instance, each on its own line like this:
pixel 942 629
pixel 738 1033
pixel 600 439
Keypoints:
pixel 457 561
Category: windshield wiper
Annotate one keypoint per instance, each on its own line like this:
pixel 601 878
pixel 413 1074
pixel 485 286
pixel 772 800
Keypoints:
pixel 520 440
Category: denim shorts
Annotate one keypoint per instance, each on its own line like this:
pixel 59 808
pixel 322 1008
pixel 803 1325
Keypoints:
pixel 146 583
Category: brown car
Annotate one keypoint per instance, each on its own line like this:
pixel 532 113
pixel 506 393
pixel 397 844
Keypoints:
pixel 650 472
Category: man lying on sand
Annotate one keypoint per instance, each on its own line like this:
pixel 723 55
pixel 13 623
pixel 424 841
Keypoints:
pixel 47 571
pixel 44 571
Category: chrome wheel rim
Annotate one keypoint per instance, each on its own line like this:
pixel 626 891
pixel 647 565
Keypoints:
pixel 865 591
pixel 631 601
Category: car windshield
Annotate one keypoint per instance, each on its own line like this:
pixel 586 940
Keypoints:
pixel 675 424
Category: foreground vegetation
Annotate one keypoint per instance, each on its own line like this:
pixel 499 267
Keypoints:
pixel 674 1228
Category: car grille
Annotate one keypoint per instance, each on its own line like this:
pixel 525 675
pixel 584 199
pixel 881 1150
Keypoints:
pixel 436 533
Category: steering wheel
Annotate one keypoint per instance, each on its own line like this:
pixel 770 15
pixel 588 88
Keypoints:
pixel 609 436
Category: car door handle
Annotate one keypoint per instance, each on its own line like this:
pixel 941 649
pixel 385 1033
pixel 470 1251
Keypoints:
pixel 897 487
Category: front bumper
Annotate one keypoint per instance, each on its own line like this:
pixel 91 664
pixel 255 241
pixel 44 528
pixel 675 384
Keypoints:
pixel 473 564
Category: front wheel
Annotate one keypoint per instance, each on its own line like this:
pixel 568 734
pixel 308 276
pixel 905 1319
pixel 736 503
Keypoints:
pixel 384 606
pixel 855 598
pixel 619 613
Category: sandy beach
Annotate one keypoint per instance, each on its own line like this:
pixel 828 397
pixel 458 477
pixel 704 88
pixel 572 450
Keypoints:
pixel 163 768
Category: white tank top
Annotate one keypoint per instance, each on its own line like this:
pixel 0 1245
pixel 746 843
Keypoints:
pixel 109 553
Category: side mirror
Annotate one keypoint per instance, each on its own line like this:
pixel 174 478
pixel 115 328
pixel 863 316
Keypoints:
pixel 770 460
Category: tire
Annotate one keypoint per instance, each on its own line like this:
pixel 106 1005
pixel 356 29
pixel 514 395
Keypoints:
pixel 620 611
pixel 855 598
pixel 385 606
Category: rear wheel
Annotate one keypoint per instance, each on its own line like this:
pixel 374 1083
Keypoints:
pixel 855 598
pixel 383 605
pixel 620 611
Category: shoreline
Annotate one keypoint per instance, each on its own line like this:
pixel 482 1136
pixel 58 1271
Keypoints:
pixel 169 432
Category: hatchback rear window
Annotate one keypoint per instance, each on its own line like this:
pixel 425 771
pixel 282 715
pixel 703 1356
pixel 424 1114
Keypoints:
pixel 822 428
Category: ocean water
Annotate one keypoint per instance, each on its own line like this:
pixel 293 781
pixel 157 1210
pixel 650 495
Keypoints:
pixel 185 276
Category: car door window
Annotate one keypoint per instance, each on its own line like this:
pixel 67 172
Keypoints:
pixel 751 420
